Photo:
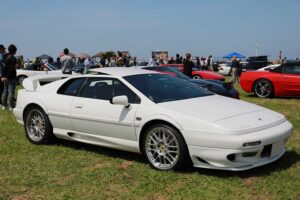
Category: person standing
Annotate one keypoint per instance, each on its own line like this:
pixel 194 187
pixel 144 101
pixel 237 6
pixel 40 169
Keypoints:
pixel 188 65
pixel 152 62
pixel 177 60
pixel 210 63
pixel 2 59
pixel 66 62
pixel 8 77
pixel 235 66
pixel 171 61
pixel 87 65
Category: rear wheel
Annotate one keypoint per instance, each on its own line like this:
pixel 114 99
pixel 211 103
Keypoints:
pixel 38 128
pixel 20 79
pixel 263 88
pixel 197 77
pixel 164 148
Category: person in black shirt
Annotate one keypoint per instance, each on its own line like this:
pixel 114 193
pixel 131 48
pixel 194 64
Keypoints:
pixel 2 59
pixel 188 65
pixel 8 77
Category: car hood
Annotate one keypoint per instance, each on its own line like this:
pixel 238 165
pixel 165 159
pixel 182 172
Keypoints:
pixel 225 114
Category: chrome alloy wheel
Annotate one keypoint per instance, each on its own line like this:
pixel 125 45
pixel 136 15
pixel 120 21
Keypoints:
pixel 263 88
pixel 162 148
pixel 35 125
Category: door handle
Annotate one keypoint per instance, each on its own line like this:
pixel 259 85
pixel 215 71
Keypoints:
pixel 78 106
pixel 285 76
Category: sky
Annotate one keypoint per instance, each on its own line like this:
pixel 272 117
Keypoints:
pixel 200 27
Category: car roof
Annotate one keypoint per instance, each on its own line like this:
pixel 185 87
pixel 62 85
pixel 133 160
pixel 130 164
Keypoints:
pixel 123 71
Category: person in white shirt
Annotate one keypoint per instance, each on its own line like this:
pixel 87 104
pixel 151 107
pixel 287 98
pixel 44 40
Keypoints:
pixel 152 62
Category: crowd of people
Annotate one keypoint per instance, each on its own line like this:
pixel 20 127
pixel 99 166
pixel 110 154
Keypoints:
pixel 9 63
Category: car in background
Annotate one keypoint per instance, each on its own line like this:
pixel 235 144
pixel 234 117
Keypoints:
pixel 218 87
pixel 224 68
pixel 256 62
pixel 282 81
pixel 80 68
pixel 36 69
pixel 198 73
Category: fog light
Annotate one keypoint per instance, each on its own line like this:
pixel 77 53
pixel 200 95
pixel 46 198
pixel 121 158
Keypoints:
pixel 250 144
pixel 231 157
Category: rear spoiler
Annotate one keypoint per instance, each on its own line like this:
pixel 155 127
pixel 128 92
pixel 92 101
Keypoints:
pixel 32 83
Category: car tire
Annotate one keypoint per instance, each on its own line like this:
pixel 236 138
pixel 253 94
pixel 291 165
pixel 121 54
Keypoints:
pixel 165 148
pixel 20 79
pixel 38 128
pixel 197 77
pixel 263 88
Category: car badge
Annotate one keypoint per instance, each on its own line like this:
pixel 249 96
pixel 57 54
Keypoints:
pixel 259 119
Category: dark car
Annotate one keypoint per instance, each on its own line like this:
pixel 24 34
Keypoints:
pixel 256 62
pixel 218 87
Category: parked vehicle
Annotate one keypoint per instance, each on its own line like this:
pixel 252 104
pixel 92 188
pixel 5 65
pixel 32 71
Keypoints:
pixel 281 81
pixel 80 68
pixel 218 87
pixel 197 73
pixel 224 68
pixel 169 120
pixel 256 62
pixel 36 69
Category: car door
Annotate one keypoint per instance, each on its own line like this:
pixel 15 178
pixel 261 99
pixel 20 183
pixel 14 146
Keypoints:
pixel 59 106
pixel 93 113
pixel 290 80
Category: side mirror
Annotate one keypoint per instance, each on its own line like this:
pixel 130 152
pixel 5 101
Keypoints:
pixel 120 100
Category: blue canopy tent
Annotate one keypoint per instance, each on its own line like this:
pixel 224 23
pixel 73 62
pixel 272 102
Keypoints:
pixel 234 54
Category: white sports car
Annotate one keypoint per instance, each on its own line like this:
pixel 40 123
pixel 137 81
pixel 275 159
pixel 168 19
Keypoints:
pixel 36 69
pixel 170 121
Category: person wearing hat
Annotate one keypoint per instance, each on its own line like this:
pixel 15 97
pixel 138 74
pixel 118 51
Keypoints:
pixel 8 77
pixel 2 56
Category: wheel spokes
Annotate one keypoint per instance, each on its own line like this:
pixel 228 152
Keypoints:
pixel 36 125
pixel 162 148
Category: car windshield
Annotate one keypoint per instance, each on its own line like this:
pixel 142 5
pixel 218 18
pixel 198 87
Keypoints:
pixel 164 88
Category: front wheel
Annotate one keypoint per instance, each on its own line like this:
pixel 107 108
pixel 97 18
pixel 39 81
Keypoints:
pixel 263 88
pixel 164 148
pixel 38 128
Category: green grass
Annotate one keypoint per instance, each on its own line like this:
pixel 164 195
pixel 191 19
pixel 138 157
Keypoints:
pixel 70 170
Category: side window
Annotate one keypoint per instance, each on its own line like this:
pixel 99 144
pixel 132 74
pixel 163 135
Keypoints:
pixel 294 69
pixel 106 89
pixel 121 89
pixel 71 87
pixel 98 88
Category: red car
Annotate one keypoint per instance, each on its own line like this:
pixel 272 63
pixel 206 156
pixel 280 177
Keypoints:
pixel 282 81
pixel 198 73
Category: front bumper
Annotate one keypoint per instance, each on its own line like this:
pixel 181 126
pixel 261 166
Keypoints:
pixel 226 152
